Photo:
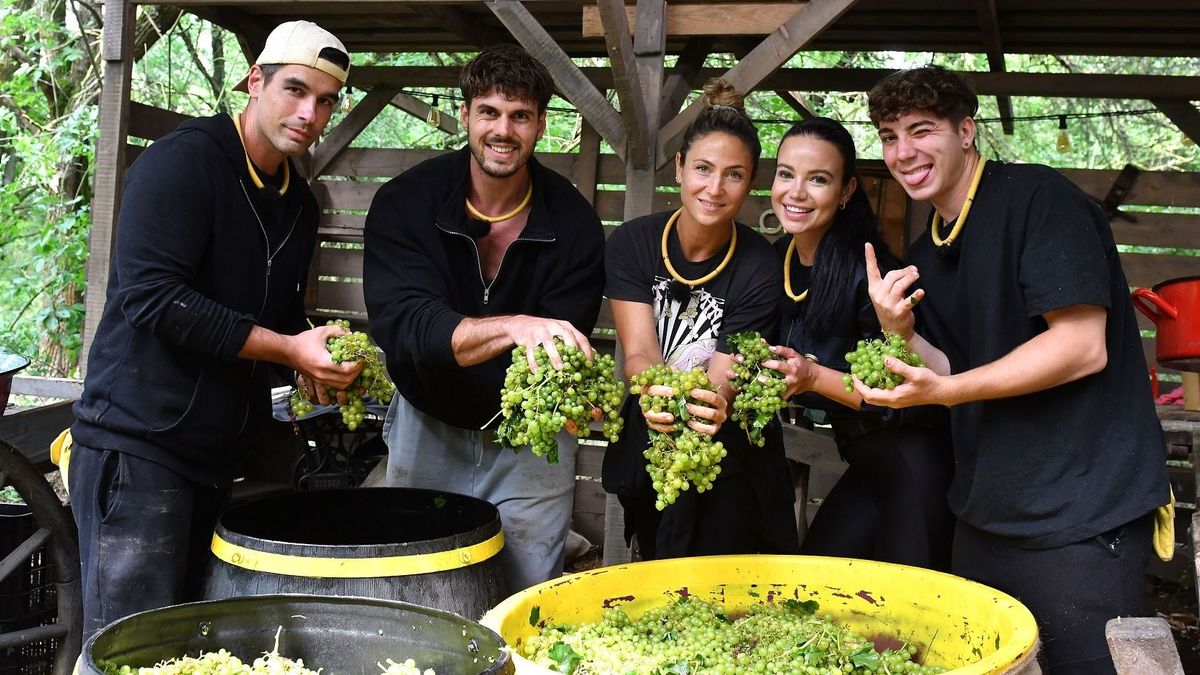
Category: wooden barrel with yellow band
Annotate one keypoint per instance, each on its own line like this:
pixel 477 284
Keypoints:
pixel 430 548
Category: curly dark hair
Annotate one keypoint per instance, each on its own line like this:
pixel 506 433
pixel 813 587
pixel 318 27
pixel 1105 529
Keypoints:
pixel 930 89
pixel 723 111
pixel 510 70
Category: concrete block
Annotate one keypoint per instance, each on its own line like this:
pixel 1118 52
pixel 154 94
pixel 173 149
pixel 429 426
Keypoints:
pixel 1142 646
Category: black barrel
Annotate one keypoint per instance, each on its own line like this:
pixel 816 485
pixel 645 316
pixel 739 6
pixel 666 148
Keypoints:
pixel 430 548
pixel 335 635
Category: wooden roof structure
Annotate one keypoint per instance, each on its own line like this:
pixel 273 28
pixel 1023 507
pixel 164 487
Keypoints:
pixel 636 36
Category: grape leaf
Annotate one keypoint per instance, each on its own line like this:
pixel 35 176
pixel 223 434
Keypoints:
pixel 565 657
pixel 806 607
pixel 866 657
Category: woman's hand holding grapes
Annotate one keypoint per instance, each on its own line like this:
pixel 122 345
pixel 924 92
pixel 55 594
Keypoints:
pixel 716 412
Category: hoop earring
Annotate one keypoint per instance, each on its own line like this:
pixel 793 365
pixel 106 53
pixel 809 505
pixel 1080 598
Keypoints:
pixel 842 206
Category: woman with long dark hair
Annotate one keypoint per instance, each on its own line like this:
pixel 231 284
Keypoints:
pixel 890 504
pixel 680 282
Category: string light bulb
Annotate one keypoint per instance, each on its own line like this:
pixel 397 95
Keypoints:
pixel 435 114
pixel 1064 141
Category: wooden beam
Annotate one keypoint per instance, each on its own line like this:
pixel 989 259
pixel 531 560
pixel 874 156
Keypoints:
pixel 340 137
pixel 31 431
pixel 626 82
pixel 117 71
pixel 1058 85
pixel 587 161
pixel 989 25
pixel 798 102
pixel 774 51
pixel 1183 114
pixel 48 387
pixel 570 80
pixel 743 18
pixel 649 46
pixel 446 121
pixel 152 123
pixel 684 77
pixel 455 20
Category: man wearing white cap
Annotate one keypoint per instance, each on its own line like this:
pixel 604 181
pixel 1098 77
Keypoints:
pixel 205 297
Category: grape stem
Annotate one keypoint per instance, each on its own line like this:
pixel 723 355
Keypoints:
pixel 485 424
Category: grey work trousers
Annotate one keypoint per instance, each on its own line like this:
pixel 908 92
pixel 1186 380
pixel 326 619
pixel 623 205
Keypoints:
pixel 534 497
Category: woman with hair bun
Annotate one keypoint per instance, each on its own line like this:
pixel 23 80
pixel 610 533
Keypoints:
pixel 679 283
pixel 890 504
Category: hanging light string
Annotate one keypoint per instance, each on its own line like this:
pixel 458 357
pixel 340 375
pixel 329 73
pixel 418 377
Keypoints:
pixel 435 96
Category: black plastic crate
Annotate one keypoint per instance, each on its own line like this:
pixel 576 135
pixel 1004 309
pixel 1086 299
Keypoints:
pixel 27 596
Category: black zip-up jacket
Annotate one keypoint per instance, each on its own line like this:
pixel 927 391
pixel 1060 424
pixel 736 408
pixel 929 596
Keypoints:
pixel 421 277
pixel 193 270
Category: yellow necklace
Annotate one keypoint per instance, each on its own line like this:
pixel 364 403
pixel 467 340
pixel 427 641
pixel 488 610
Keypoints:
pixel 287 175
pixel 962 215
pixel 787 275
pixel 496 219
pixel 707 277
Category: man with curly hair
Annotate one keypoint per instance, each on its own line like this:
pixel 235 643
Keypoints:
pixel 1030 338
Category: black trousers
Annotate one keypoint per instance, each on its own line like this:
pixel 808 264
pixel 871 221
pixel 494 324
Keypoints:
pixel 890 504
pixel 144 534
pixel 1072 590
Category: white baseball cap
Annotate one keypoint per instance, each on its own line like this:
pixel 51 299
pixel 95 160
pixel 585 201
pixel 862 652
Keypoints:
pixel 307 44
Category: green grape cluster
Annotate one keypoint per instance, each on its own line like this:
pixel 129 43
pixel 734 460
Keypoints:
pixel 866 362
pixel 684 457
pixel 537 405
pixel 760 390
pixel 220 662
pixel 371 382
pixel 696 636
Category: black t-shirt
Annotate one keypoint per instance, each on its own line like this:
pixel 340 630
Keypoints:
pixel 1070 462
pixel 855 320
pixel 744 296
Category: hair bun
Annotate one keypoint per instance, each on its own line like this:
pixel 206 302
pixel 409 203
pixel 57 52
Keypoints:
pixel 719 93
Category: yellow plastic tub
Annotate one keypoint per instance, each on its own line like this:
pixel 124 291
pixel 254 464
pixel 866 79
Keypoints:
pixel 960 625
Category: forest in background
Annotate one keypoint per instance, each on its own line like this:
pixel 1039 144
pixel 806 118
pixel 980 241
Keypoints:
pixel 49 93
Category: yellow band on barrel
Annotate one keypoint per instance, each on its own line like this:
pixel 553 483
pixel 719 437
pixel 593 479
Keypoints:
pixel 342 568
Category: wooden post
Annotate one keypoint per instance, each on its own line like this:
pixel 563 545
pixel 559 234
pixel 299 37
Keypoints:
pixel 117 52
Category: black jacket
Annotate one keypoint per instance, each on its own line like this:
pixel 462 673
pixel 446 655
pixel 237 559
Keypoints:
pixel 421 277
pixel 189 279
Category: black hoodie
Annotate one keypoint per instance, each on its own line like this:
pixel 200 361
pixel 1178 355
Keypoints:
pixel 195 266
pixel 421 277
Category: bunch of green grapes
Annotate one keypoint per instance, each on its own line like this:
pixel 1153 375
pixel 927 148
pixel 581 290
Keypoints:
pixel 866 362
pixel 537 405
pixel 220 662
pixel 760 390
pixel 371 382
pixel 696 636
pixel 684 457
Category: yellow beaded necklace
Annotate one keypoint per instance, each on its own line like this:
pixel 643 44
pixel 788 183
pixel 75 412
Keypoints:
pixel 962 215
pixel 787 275
pixel 707 277
pixel 496 219
pixel 287 175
